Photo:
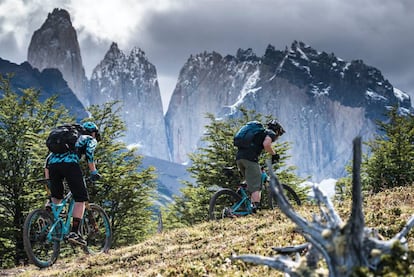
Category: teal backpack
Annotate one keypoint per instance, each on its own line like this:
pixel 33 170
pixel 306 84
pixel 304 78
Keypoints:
pixel 244 137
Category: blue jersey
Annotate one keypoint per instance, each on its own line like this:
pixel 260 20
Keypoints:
pixel 84 145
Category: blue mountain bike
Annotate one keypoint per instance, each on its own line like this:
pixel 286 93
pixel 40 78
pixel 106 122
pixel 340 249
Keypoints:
pixel 227 203
pixel 44 230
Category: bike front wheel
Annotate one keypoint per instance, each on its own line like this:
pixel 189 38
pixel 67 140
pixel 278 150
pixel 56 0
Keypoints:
pixel 40 250
pixel 97 230
pixel 290 194
pixel 222 204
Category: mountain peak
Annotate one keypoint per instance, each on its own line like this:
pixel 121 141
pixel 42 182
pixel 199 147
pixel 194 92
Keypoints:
pixel 136 51
pixel 114 53
pixel 55 45
pixel 57 17
pixel 246 55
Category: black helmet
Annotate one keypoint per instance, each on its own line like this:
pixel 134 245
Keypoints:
pixel 275 127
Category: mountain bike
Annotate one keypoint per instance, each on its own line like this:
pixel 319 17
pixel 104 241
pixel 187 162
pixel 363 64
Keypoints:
pixel 229 203
pixel 43 230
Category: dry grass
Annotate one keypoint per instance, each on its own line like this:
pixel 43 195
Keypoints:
pixel 204 249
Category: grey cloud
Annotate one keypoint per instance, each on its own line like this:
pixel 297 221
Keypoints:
pixel 9 49
pixel 377 31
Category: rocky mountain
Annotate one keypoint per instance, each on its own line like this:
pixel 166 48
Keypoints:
pixel 132 80
pixel 322 101
pixel 55 45
pixel 49 82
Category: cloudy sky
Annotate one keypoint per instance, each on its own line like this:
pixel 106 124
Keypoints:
pixel 380 32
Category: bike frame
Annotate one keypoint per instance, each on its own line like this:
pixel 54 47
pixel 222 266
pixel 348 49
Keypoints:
pixel 57 220
pixel 245 200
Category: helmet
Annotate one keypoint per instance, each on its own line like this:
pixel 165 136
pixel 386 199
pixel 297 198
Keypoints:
pixel 90 127
pixel 275 127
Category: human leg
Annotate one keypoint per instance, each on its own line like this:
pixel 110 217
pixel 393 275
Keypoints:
pixel 56 182
pixel 80 195
pixel 252 173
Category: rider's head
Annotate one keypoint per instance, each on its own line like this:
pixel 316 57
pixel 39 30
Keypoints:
pixel 91 128
pixel 275 127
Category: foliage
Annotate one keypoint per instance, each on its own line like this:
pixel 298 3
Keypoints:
pixel 390 159
pixel 126 193
pixel 391 163
pixel 22 123
pixel 207 163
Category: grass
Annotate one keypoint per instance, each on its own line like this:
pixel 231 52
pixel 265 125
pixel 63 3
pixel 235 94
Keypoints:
pixel 205 249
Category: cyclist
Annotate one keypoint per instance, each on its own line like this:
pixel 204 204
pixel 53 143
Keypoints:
pixel 247 159
pixel 66 166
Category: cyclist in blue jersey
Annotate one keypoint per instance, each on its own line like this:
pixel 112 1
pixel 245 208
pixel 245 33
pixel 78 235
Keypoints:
pixel 66 166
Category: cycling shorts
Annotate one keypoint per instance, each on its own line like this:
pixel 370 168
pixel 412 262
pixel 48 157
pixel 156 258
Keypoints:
pixel 74 177
pixel 252 174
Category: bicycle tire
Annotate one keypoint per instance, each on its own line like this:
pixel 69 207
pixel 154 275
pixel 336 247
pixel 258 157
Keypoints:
pixel 290 194
pixel 40 251
pixel 96 229
pixel 221 202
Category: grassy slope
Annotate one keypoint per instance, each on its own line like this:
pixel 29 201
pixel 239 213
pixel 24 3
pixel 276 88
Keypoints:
pixel 204 249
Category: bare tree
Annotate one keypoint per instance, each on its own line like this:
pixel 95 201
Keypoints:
pixel 343 246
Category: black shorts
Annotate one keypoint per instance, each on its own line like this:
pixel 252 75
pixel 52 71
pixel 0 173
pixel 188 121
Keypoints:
pixel 73 175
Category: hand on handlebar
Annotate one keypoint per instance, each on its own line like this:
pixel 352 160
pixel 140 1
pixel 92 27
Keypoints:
pixel 275 158
pixel 95 176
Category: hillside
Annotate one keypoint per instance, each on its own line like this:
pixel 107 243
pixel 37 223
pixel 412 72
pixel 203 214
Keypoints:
pixel 204 249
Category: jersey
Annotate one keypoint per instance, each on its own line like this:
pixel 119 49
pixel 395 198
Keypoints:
pixel 85 145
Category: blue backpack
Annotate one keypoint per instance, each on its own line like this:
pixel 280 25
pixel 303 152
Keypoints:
pixel 244 137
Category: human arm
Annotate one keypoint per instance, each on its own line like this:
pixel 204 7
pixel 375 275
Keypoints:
pixel 89 154
pixel 267 145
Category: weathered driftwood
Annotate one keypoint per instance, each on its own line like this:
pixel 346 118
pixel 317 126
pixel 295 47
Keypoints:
pixel 343 246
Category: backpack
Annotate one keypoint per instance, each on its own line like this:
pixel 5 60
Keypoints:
pixel 63 138
pixel 244 137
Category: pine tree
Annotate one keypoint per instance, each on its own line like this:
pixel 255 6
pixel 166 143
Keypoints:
pixel 391 160
pixel 207 163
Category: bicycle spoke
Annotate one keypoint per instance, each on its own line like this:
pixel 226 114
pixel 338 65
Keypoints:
pixel 96 229
pixel 223 205
pixel 39 249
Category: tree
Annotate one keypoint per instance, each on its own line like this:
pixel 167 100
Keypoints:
pixel 126 191
pixel 217 151
pixel 391 162
pixel 22 123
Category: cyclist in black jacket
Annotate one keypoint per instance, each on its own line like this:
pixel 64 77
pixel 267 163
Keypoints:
pixel 247 159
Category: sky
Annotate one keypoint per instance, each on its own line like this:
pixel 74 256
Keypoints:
pixel 379 32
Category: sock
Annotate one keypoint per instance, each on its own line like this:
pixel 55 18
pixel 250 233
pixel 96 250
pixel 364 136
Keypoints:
pixel 75 224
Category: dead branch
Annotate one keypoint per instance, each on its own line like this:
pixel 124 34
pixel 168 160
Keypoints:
pixel 343 246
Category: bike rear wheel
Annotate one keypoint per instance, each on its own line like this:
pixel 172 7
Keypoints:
pixel 96 229
pixel 40 251
pixel 222 202
pixel 290 194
